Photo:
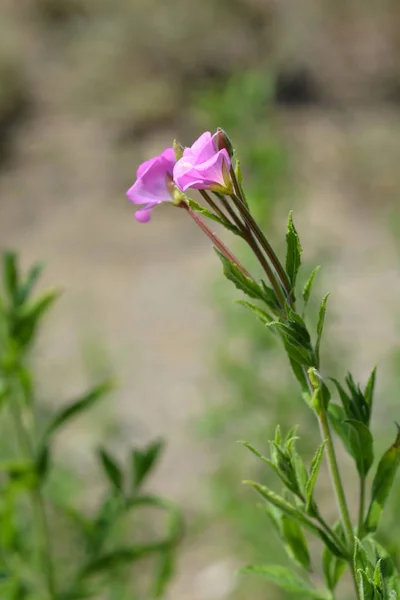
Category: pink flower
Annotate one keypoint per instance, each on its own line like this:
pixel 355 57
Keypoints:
pixel 151 185
pixel 204 167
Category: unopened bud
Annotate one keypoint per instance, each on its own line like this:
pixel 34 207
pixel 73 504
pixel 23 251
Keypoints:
pixel 223 142
pixel 178 149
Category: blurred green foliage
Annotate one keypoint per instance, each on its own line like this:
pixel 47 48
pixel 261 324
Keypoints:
pixel 51 546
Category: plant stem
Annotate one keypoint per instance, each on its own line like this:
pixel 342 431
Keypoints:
pixel 213 205
pixel 336 479
pixel 338 487
pixel 241 204
pixel 215 239
pixel 361 508
pixel 39 514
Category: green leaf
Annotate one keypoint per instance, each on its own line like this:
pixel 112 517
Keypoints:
pixel 287 580
pixel 321 396
pixel 78 406
pixel 296 542
pixel 320 326
pixel 10 275
pixel 309 285
pixel 295 513
pixel 270 298
pixel 164 573
pixel 361 560
pixel 369 389
pixel 293 252
pixel 294 349
pixel 243 283
pixel 314 470
pixel 382 483
pixel 210 215
pixel 337 417
pixel 143 461
pixel 26 287
pixel 119 557
pixel 111 469
pixel 365 588
pixel 388 569
pixel 30 315
pixel 356 438
pixel 361 442
pixel 333 566
pixel 43 462
pixel 298 372
pixel 263 316
pixel 300 471
pixel 378 576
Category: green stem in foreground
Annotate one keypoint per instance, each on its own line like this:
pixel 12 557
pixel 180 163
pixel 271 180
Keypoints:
pixel 39 513
pixel 339 490
pixel 361 509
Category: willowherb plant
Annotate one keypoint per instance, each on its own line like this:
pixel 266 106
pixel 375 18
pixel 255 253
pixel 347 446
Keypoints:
pixel 211 166
pixel 50 549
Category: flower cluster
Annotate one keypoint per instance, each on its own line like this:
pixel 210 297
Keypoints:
pixel 203 166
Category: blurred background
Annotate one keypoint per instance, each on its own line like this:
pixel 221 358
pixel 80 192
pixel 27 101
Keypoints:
pixel 309 91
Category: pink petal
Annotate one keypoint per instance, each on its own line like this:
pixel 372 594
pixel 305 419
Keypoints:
pixel 143 214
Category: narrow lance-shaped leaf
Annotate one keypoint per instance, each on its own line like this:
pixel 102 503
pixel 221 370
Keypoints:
pixel 287 580
pixel 296 514
pixel 361 559
pixel 333 566
pixel 30 316
pixel 320 326
pixel 337 417
pixel 143 461
pixel 111 469
pixel 27 285
pixel 314 470
pixel 382 483
pixel 243 283
pixel 361 442
pixel 10 275
pixel 210 215
pixel 309 285
pixel 369 389
pixel 78 406
pixel 293 252
pixel 263 316
pixel 365 587
pixel 296 542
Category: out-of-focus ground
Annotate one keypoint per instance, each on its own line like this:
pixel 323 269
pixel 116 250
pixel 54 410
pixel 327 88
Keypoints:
pixel 90 89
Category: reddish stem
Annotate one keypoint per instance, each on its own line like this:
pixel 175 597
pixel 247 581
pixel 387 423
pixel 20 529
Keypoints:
pixel 215 240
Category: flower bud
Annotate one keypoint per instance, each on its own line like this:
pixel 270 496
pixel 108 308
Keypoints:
pixel 223 142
